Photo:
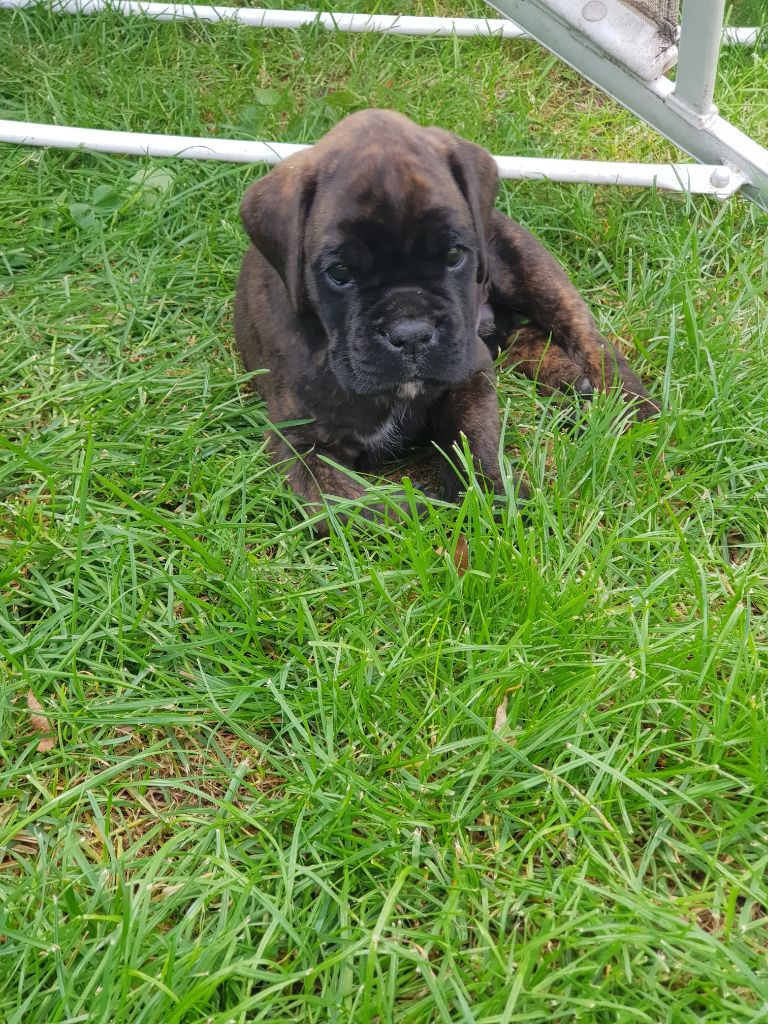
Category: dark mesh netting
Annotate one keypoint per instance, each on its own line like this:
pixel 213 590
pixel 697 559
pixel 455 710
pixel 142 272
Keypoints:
pixel 662 13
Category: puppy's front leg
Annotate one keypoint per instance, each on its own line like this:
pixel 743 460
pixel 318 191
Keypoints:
pixel 524 276
pixel 471 410
pixel 310 476
pixel 309 472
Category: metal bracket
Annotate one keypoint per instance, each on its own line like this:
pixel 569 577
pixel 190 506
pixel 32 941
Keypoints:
pixel 688 119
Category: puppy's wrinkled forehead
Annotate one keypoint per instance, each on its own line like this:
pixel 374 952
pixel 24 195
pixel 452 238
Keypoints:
pixel 389 222
pixel 385 173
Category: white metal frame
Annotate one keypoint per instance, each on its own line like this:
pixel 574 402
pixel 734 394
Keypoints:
pixel 261 17
pixel 682 111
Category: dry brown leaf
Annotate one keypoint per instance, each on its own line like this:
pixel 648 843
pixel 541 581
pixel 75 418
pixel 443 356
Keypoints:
pixel 461 555
pixel 501 716
pixel 40 723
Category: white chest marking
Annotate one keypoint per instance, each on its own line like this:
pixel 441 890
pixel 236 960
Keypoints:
pixel 385 437
pixel 388 436
pixel 410 389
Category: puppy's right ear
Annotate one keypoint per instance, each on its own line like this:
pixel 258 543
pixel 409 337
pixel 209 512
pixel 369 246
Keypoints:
pixel 274 213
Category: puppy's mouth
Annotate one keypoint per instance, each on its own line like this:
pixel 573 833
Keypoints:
pixel 363 382
pixel 373 386
pixel 418 358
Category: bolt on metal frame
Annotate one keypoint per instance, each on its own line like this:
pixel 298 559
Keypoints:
pixel 592 36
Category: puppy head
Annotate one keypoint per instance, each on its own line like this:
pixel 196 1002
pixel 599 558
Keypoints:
pixel 380 232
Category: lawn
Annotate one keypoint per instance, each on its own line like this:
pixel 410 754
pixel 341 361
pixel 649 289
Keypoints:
pixel 248 775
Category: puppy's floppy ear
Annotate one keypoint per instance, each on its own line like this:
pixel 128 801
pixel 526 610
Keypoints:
pixel 477 176
pixel 274 212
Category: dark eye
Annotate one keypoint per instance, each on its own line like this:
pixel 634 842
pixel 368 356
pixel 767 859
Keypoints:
pixel 339 273
pixel 454 256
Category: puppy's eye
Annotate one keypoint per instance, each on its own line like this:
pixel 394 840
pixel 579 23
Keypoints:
pixel 454 256
pixel 339 273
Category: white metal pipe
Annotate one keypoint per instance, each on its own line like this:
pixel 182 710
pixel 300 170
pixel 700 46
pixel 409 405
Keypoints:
pixel 404 25
pixel 696 178
pixel 741 36
pixel 702 179
pixel 97 140
pixel 262 18
pixel 701 30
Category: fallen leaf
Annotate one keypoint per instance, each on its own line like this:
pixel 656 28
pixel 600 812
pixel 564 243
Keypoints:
pixel 501 716
pixel 40 723
pixel 461 555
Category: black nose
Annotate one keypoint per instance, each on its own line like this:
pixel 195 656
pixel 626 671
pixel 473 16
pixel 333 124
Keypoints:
pixel 410 333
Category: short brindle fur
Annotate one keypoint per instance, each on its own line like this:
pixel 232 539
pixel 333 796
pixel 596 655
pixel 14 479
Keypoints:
pixel 379 287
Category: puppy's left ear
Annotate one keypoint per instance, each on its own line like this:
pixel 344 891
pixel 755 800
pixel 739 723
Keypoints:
pixel 274 211
pixel 477 176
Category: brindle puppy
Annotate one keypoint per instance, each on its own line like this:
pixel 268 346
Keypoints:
pixel 380 285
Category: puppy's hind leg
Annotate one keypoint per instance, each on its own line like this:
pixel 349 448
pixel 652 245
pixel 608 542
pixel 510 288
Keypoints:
pixel 533 354
pixel 525 277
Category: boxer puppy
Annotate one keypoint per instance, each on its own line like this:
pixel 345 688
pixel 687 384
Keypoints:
pixel 380 285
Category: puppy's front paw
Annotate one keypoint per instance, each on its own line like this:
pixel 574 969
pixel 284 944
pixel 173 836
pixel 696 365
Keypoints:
pixel 642 406
pixel 454 484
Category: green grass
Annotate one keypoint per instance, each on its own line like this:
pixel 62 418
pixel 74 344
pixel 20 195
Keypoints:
pixel 283 785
